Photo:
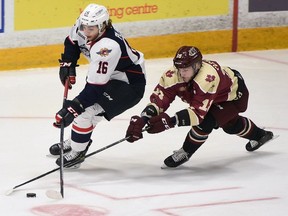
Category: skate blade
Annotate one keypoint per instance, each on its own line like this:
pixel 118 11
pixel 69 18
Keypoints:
pixel 52 156
pixel 273 138
pixel 76 166
pixel 167 168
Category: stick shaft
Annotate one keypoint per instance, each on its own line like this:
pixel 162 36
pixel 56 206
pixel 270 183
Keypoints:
pixel 66 87
pixel 74 163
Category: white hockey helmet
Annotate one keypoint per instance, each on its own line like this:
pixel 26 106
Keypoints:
pixel 94 15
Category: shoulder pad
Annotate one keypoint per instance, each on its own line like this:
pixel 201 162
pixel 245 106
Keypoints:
pixel 169 78
pixel 207 78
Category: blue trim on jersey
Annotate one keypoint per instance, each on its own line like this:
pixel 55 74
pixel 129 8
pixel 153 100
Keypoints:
pixel 133 72
pixel 90 94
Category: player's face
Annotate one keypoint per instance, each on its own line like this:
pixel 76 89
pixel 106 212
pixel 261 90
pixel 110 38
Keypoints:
pixel 91 32
pixel 187 73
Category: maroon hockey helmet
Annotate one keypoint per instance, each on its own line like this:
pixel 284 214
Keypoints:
pixel 187 56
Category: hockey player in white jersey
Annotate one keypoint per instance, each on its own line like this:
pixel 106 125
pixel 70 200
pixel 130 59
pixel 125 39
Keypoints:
pixel 115 79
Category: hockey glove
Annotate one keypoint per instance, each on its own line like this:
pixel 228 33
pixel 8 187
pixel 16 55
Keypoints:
pixel 134 131
pixel 67 70
pixel 70 110
pixel 160 123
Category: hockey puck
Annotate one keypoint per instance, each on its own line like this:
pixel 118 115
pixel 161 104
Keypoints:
pixel 31 195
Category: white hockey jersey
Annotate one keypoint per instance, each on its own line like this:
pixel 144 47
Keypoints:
pixel 110 57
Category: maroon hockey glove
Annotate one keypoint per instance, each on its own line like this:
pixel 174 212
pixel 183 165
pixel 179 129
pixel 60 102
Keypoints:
pixel 67 114
pixel 160 123
pixel 67 70
pixel 134 131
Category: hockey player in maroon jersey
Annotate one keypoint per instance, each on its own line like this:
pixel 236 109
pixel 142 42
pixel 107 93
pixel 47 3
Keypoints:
pixel 215 96
pixel 115 79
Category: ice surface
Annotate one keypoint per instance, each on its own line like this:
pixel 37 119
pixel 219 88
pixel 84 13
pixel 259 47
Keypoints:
pixel 222 178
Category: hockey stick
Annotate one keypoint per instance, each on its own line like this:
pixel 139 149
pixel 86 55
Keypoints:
pixel 66 87
pixel 53 194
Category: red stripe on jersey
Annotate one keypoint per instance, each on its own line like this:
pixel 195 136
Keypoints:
pixel 132 71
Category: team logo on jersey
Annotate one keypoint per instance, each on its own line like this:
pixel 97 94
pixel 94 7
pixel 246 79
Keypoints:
pixel 210 78
pixel 104 52
pixel 169 73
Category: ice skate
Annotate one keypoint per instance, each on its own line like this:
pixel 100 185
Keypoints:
pixel 176 159
pixel 56 148
pixel 73 159
pixel 253 145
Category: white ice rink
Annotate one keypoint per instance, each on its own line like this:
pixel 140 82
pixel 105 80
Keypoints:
pixel 221 179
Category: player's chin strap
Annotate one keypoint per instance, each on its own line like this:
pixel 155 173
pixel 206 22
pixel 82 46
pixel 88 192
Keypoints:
pixel 69 164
